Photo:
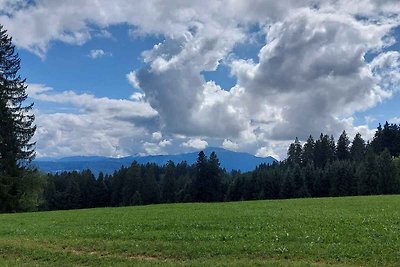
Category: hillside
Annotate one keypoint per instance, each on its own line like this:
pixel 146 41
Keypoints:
pixel 359 231
pixel 230 160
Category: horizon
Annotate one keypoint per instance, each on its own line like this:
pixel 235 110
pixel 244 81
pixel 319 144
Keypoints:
pixel 212 149
pixel 115 79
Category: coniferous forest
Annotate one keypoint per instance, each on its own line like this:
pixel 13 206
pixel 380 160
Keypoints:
pixel 320 167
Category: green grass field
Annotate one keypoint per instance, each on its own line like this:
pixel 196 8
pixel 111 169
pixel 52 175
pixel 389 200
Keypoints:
pixel 359 231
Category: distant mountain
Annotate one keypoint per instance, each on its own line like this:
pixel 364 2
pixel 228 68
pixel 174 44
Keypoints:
pixel 230 160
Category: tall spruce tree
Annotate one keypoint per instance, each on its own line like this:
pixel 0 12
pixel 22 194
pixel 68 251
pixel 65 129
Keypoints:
pixel 168 184
pixel 387 174
pixel 214 174
pixel 343 149
pixel 16 129
pixel 200 185
pixel 357 149
pixel 294 153
pixel 16 123
pixel 307 156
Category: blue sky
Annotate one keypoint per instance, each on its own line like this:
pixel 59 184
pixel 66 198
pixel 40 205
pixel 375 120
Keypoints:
pixel 126 78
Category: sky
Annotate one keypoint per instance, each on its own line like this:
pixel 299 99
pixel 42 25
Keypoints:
pixel 118 78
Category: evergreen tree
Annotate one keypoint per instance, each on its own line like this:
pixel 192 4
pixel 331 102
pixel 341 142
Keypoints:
pixel 357 149
pixel 294 153
pixel 136 199
pixel 300 189
pixel 308 152
pixel 132 182
pixel 200 185
pixel 367 174
pixel 341 175
pixel 16 124
pixel 387 174
pixel 322 183
pixel 288 186
pixel 150 191
pixel 309 178
pixel 214 176
pixel 388 137
pixel 16 128
pixel 102 192
pixel 168 186
pixel 343 149
pixel 324 150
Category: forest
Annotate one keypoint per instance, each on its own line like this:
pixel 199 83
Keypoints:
pixel 318 168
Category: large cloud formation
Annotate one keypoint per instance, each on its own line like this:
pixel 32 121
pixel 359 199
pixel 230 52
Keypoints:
pixel 319 63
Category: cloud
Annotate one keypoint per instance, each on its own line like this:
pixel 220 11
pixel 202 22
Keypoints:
pixel 156 136
pixel 394 120
pixel 98 53
pixel 196 143
pixel 230 145
pixel 312 71
pixel 312 74
pixel 91 125
pixel 104 34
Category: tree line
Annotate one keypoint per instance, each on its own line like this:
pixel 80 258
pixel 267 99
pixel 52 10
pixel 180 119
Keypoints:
pixel 318 168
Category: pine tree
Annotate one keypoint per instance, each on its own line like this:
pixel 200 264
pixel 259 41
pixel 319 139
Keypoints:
pixel 168 185
pixel 288 186
pixel 357 150
pixel 342 149
pixel 133 182
pixel 307 156
pixel 16 123
pixel 136 199
pixel 367 174
pixel 294 153
pixel 200 185
pixel 324 150
pixel 16 127
pixel 300 188
pixel 214 176
pixel 150 191
pixel 387 173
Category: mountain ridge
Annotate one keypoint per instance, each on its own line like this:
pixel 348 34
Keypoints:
pixel 230 160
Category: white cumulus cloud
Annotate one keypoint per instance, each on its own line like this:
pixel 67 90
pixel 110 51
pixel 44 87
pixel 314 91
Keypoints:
pixel 196 143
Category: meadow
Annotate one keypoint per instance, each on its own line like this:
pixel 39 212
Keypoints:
pixel 348 231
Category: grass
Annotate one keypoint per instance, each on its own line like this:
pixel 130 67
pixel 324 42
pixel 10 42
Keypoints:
pixel 302 232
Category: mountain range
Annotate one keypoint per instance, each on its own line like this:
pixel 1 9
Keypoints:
pixel 229 160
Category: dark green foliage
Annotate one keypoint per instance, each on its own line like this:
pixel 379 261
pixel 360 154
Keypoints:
pixel 16 124
pixel 214 174
pixel 168 186
pixel 357 149
pixel 207 181
pixel 324 151
pixel 342 177
pixel 307 156
pixel 20 188
pixel 387 137
pixel 367 174
pixel 150 191
pixel 319 169
pixel 294 153
pixel 388 179
pixel 343 147
pixel 288 187
pixel 8 194
pixel 137 199
pixel 132 182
